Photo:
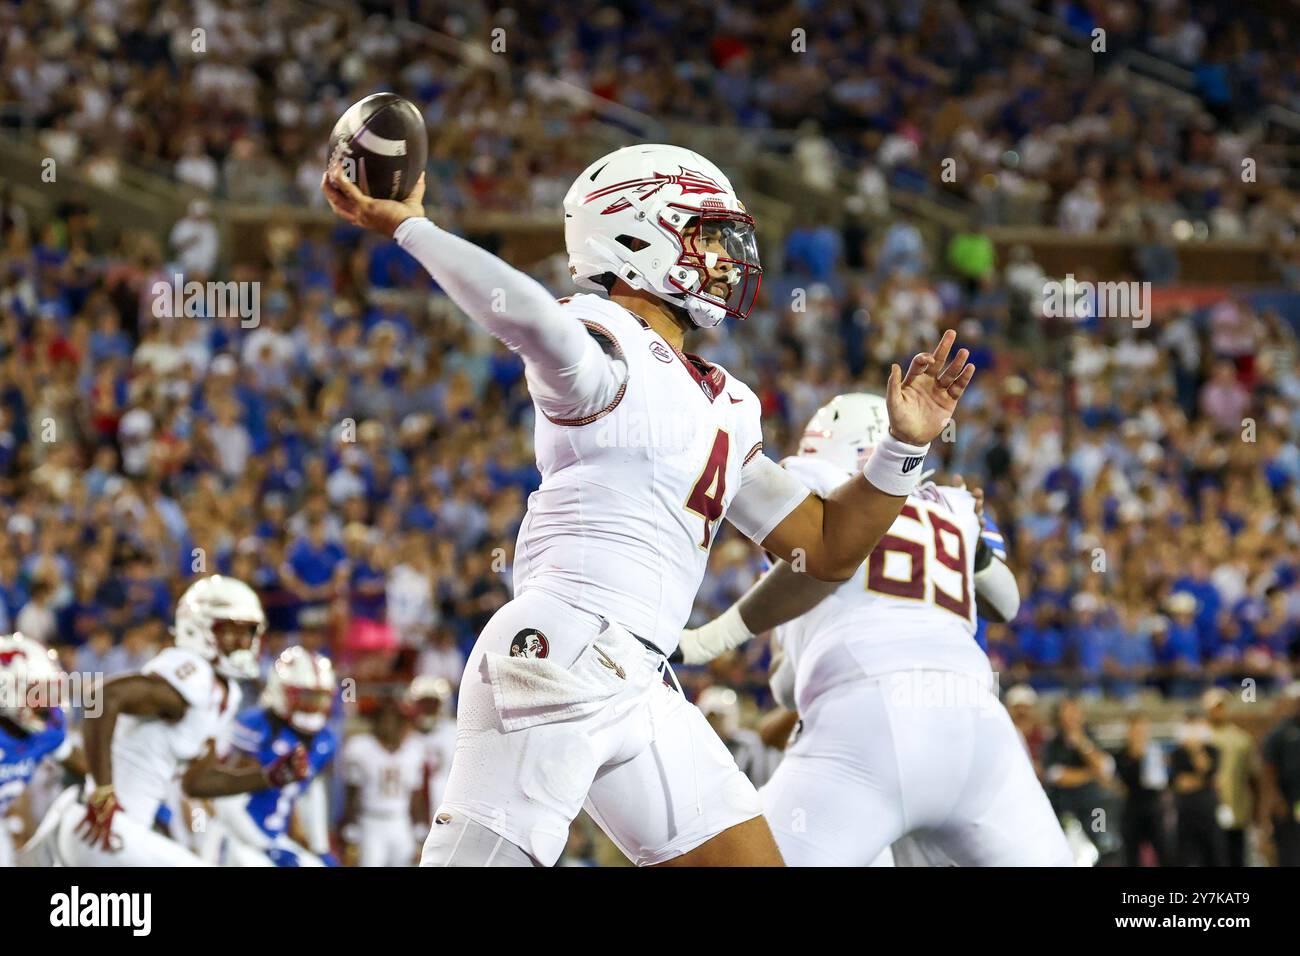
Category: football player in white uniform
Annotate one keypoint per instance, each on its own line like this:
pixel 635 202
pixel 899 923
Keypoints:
pixel 642 448
pixel 429 702
pixel 900 730
pixel 157 724
pixel 383 820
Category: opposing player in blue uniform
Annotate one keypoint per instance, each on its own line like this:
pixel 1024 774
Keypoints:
pixel 293 713
pixel 33 726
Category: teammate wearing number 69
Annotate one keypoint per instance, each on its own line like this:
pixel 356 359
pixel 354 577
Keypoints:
pixel 900 733
pixel 643 448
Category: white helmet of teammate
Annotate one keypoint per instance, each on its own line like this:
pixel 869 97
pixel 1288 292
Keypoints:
pixel 427 698
pixel 29 682
pixel 664 219
pixel 221 619
pixel 722 703
pixel 300 689
pixel 845 429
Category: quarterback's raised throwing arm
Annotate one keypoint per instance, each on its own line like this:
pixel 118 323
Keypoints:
pixel 566 368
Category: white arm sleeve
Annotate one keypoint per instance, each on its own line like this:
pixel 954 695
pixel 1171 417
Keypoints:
pixel 63 752
pixel 567 370
pixel 723 633
pixel 768 493
pixel 997 585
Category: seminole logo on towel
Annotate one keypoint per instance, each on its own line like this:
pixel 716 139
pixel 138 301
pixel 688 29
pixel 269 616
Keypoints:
pixel 529 642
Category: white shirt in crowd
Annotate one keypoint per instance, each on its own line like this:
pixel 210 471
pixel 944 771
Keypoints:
pixel 197 244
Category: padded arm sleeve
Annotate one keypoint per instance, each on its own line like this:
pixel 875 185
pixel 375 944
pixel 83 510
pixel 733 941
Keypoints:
pixel 768 493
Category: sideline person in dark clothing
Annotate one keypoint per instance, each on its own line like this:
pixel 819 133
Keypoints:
pixel 1193 766
pixel 1281 791
pixel 1075 771
pixel 1140 767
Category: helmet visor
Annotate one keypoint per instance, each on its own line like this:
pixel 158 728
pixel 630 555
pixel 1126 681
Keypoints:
pixel 424 711
pixel 308 700
pixel 721 246
pixel 233 636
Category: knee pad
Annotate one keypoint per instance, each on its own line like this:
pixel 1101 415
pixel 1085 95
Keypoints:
pixel 456 840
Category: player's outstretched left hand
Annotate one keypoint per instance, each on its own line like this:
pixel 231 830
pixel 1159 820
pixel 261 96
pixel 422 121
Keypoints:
pixel 921 402
pixel 381 215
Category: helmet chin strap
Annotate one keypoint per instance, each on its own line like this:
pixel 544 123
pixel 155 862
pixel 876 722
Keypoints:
pixel 704 314
pixel 237 665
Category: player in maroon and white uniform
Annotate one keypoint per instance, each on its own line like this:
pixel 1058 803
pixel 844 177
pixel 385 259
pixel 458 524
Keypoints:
pixel 642 448
pixel 384 773
pixel 429 701
pixel 901 738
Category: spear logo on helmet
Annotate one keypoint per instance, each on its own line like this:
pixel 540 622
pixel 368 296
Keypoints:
pixel 690 181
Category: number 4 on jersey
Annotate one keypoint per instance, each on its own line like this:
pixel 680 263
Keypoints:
pixel 706 496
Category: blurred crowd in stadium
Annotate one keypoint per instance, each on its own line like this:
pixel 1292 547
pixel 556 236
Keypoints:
pixel 239 109
pixel 361 455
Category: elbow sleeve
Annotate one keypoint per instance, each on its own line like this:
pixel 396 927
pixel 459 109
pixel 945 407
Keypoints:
pixel 997 586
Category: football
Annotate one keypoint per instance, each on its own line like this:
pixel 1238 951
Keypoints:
pixel 383 145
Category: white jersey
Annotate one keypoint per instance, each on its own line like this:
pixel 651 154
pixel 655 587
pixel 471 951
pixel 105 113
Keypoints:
pixel 910 605
pixel 386 778
pixel 150 753
pixel 631 494
pixel 438 744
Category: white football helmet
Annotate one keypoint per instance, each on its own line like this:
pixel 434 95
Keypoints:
pixel 300 689
pixel 221 619
pixel 426 699
pixel 29 682
pixel 661 218
pixel 845 429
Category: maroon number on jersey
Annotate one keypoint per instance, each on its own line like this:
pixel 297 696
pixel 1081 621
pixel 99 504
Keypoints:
pixel 957 562
pixel 913 586
pixel 706 497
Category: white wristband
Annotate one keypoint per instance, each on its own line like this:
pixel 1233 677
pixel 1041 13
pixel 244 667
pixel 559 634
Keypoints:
pixel 895 467
pixel 714 639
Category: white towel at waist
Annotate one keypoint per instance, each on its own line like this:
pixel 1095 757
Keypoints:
pixel 613 671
